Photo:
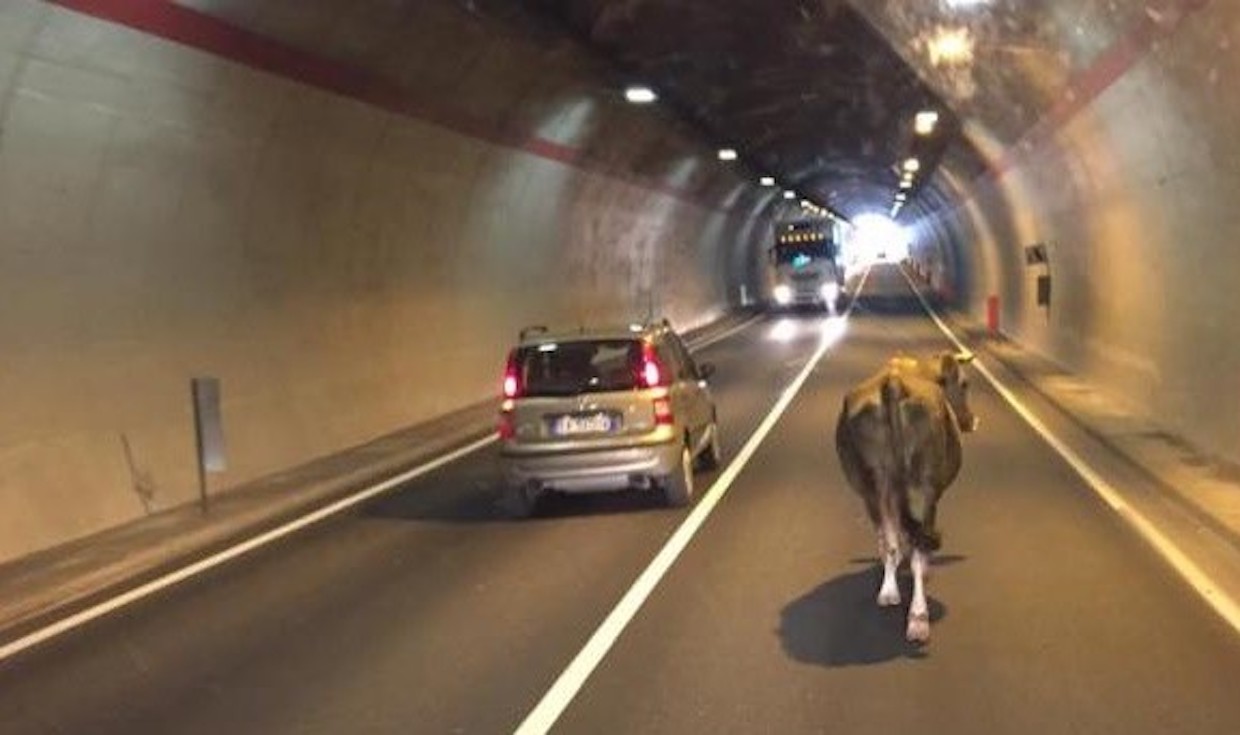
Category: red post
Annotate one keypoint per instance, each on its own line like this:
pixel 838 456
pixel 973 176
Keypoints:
pixel 992 315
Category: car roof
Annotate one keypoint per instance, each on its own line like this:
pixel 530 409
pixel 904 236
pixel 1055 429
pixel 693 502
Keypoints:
pixel 541 335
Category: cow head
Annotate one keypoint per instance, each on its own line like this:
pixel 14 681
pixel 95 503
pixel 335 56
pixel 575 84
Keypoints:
pixel 956 388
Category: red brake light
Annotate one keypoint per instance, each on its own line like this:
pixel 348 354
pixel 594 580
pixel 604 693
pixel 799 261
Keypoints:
pixel 512 377
pixel 652 373
pixel 663 412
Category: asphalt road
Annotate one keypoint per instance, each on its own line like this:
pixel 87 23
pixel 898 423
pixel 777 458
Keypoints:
pixel 433 611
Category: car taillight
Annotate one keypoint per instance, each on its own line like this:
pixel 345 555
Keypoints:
pixel 507 428
pixel 512 377
pixel 652 372
pixel 663 412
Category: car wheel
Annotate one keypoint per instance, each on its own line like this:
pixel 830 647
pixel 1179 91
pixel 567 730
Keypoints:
pixel 678 486
pixel 712 455
pixel 522 500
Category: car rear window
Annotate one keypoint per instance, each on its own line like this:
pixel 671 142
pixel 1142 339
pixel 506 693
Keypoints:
pixel 584 366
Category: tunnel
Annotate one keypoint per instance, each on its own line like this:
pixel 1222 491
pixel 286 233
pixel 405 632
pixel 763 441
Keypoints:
pixel 342 214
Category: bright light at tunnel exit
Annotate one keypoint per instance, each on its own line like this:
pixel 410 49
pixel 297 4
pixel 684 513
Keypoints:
pixel 876 237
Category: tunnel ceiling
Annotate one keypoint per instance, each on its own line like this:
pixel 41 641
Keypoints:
pixel 818 93
pixel 808 92
pixel 822 93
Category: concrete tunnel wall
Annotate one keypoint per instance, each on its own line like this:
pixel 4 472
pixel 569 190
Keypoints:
pixel 1131 182
pixel 342 215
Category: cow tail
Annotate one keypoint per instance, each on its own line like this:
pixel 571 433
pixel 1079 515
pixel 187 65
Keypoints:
pixel 922 535
pixel 892 393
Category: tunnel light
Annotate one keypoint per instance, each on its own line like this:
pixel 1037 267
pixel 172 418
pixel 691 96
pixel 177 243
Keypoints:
pixel 767 181
pixel 912 166
pixel 925 122
pixel 807 204
pixel 951 47
pixel 906 184
pixel 790 195
pixel 901 197
pixel 727 154
pixel 640 95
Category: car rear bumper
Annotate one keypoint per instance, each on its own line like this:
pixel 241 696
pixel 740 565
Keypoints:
pixel 592 471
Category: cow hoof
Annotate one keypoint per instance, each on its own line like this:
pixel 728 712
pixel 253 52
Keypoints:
pixel 918 630
pixel 888 598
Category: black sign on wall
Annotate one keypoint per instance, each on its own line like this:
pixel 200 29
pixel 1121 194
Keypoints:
pixel 1035 254
pixel 1044 290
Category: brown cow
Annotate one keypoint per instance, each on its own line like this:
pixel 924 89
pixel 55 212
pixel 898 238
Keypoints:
pixel 898 438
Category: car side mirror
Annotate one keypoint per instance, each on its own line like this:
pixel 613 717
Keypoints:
pixel 705 370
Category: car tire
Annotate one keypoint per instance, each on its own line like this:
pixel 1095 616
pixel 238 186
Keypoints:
pixel 712 456
pixel 678 486
pixel 522 500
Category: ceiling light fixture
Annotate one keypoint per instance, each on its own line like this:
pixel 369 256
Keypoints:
pixel 727 154
pixel 767 181
pixel 640 95
pixel 925 122
pixel 790 195
pixel 951 47
pixel 912 166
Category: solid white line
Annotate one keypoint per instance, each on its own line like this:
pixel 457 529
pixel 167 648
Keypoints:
pixel 1221 602
pixel 127 598
pixel 565 689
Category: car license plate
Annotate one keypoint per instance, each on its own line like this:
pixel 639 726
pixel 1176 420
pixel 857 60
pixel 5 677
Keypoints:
pixel 588 423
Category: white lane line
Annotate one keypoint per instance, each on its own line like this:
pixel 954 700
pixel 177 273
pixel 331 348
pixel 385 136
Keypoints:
pixel 565 689
pixel 1221 602
pixel 71 622
pixel 127 598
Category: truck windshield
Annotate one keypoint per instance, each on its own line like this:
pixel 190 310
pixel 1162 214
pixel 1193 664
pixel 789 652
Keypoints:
pixel 802 253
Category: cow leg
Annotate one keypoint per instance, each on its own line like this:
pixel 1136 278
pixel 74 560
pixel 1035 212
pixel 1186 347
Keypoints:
pixel 919 611
pixel 889 552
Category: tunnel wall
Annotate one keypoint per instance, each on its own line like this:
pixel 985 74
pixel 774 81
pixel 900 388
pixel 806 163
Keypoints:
pixel 1131 185
pixel 348 239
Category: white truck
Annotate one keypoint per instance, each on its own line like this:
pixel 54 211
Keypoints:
pixel 804 269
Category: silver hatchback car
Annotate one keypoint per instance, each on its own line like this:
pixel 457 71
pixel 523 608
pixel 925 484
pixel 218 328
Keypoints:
pixel 607 409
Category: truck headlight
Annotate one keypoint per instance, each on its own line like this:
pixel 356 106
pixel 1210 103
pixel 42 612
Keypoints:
pixel 783 294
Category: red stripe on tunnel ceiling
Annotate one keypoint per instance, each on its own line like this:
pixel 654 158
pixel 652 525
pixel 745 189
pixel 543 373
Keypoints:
pixel 193 28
